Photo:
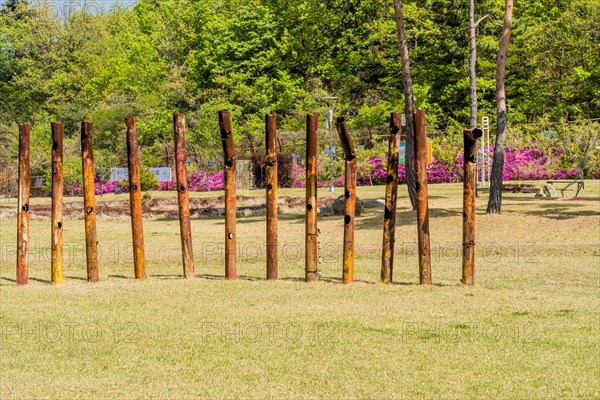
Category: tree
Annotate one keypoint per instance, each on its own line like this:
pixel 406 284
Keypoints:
pixel 473 64
pixel 495 200
pixel 473 61
pixel 411 180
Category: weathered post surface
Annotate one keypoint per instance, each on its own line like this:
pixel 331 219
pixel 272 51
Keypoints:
pixel 23 204
pixel 349 199
pixel 422 198
pixel 56 268
pixel 89 201
pixel 230 199
pixel 183 199
pixel 469 189
pixel 271 175
pixel 135 199
pixel 391 197
pixel 311 247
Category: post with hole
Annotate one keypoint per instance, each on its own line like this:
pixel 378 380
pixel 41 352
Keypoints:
pixel 311 240
pixel 230 199
pixel 23 204
pixel 349 199
pixel 183 199
pixel 271 180
pixel 89 201
pixel 469 189
pixel 135 199
pixel 56 267
pixel 422 198
pixel 391 198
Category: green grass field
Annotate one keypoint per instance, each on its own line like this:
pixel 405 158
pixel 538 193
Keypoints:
pixel 530 328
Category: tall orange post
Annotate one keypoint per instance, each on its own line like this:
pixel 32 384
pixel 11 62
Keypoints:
pixel 135 199
pixel 391 197
pixel 469 188
pixel 183 200
pixel 56 269
pixel 271 179
pixel 230 193
pixel 422 198
pixel 349 201
pixel 311 242
pixel 23 204
pixel 89 201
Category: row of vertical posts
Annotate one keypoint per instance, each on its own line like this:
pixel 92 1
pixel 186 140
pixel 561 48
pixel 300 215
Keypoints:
pixel 391 195
pixel 311 230
pixel 89 201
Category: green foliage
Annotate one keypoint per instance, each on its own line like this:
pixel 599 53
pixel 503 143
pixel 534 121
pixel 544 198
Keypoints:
pixel 289 57
pixel 147 179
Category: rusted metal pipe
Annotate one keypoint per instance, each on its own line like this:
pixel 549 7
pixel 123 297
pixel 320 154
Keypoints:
pixel 349 199
pixel 469 189
pixel 391 197
pixel 89 201
pixel 271 175
pixel 311 246
pixel 422 198
pixel 183 199
pixel 135 199
pixel 230 199
pixel 23 204
pixel 56 271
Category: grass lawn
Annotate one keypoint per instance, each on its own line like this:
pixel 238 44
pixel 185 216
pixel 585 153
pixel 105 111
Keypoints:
pixel 530 328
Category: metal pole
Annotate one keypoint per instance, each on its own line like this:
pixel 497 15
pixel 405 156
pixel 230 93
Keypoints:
pixel 23 204
pixel 56 271
pixel 422 198
pixel 350 199
pixel 183 200
pixel 483 163
pixel 391 196
pixel 311 272
pixel 230 199
pixel 89 201
pixel 135 199
pixel 469 187
pixel 271 175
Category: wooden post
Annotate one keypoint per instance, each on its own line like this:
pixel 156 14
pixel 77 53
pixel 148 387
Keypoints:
pixel 23 204
pixel 135 199
pixel 230 197
pixel 350 199
pixel 311 261
pixel 469 188
pixel 391 197
pixel 89 201
pixel 185 227
pixel 271 175
pixel 422 198
pixel 57 202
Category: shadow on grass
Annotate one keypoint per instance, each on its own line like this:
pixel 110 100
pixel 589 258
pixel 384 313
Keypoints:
pixel 5 281
pixel 555 211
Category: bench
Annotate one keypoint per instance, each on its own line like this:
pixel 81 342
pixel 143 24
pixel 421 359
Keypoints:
pixel 568 183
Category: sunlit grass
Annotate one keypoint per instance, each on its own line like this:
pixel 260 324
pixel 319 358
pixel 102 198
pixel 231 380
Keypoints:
pixel 528 329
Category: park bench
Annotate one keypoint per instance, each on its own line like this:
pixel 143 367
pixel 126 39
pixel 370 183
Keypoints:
pixel 568 183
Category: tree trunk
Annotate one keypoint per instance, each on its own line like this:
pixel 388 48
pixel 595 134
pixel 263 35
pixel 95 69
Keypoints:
pixel 472 65
pixel 411 179
pixel 495 200
pixel 586 155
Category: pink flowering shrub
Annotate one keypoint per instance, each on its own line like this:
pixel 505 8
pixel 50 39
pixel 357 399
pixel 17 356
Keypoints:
pixel 532 163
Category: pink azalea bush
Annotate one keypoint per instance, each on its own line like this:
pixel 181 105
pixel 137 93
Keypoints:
pixel 533 163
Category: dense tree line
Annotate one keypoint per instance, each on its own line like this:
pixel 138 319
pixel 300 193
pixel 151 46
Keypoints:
pixel 286 56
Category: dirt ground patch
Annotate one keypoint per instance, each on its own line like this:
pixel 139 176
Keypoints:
pixel 166 208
